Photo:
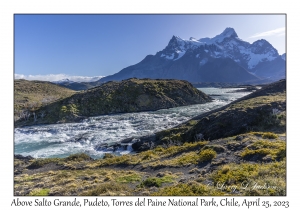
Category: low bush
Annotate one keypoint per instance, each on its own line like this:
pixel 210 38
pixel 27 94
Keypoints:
pixel 78 157
pixel 217 148
pixel 107 188
pixel 38 163
pixel 261 148
pixel 129 178
pixel 269 135
pixel 207 155
pixel 189 189
pixel 156 182
pixel 39 192
pixel 249 176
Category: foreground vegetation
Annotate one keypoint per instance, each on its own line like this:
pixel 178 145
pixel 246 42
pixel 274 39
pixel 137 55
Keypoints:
pixel 229 158
pixel 200 168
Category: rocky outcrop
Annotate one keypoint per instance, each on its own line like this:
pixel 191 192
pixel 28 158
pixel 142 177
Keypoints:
pixel 257 111
pixel 131 95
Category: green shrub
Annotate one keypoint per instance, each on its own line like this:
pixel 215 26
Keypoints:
pixel 148 155
pixel 217 148
pixel 151 182
pixel 269 135
pixel 64 109
pixel 38 163
pixel 271 174
pixel 247 153
pixel 156 182
pixel 129 178
pixel 185 159
pixel 207 155
pixel 108 155
pixel 177 137
pixel 281 153
pixel 262 148
pixel 110 187
pixel 78 157
pixel 190 189
pixel 39 192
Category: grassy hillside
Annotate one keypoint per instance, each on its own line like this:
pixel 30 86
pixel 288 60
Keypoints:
pixel 130 95
pixel 228 160
pixel 29 96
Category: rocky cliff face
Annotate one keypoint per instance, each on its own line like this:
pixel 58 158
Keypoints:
pixel 132 95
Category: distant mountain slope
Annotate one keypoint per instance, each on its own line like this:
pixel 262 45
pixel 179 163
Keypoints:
pixel 78 85
pixel 207 60
pixel 274 70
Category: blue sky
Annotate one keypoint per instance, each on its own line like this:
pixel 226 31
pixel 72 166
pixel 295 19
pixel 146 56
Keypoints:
pixel 57 46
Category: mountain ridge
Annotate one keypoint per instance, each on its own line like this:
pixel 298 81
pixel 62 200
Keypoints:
pixel 186 59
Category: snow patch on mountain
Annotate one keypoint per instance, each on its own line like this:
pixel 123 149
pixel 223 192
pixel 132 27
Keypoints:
pixel 203 61
pixel 169 57
pixel 180 54
pixel 256 58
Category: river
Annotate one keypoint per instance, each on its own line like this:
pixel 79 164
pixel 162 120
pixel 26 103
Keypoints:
pixel 61 140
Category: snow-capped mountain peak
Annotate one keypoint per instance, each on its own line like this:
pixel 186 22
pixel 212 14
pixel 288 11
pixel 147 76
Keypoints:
pixel 226 45
pixel 178 44
pixel 193 39
pixel 229 32
pixel 223 58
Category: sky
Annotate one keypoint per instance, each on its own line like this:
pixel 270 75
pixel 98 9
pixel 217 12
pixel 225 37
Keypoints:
pixel 53 47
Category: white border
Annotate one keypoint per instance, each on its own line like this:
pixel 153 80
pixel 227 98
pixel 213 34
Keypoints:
pixel 9 8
